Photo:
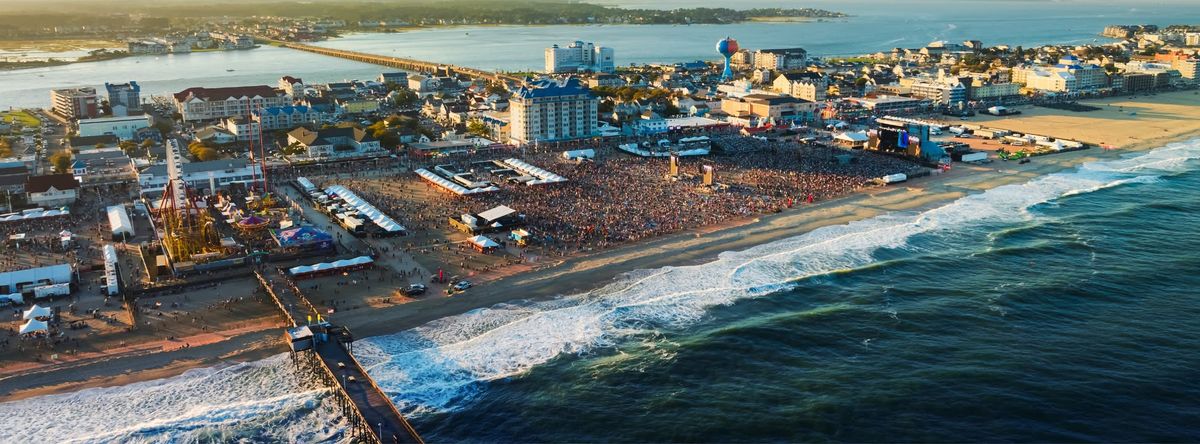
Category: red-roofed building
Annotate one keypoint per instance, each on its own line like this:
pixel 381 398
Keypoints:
pixel 196 104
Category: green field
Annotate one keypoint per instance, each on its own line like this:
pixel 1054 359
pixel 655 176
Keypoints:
pixel 24 118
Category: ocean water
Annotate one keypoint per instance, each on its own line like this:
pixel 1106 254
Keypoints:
pixel 1063 309
pixel 875 25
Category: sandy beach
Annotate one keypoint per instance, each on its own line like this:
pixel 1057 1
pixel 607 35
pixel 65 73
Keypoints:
pixel 1159 119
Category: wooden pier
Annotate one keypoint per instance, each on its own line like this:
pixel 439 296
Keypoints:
pixel 372 415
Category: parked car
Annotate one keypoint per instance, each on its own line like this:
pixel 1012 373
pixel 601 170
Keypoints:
pixel 415 289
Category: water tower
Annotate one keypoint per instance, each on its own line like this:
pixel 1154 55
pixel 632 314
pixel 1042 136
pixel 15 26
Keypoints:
pixel 727 47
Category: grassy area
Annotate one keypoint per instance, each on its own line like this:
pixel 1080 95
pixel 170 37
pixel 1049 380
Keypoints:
pixel 58 45
pixel 20 116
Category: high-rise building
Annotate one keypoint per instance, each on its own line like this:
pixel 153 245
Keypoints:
pixel 579 56
pixel 785 59
pixel 552 110
pixel 124 97
pixel 75 103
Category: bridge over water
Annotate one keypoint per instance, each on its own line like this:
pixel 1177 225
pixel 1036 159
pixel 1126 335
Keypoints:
pixel 397 62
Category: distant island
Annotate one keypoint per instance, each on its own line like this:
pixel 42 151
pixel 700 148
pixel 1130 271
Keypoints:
pixel 138 16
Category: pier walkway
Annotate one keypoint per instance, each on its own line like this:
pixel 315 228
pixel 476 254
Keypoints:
pixel 397 62
pixel 371 413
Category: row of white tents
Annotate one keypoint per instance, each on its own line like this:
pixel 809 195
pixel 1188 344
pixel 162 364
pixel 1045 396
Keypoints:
pixel 365 209
pixel 34 214
pixel 111 278
pixel 451 186
pixel 329 266
pixel 543 176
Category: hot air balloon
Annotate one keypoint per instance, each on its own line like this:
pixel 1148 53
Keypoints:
pixel 727 47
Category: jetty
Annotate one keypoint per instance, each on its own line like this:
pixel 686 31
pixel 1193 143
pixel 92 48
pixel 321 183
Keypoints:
pixel 322 351
pixel 397 62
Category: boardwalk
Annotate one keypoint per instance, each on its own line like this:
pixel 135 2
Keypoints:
pixel 368 405
pixel 397 62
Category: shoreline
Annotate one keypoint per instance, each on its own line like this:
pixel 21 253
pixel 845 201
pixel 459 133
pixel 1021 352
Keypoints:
pixel 580 274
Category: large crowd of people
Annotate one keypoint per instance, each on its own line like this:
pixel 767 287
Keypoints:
pixel 620 198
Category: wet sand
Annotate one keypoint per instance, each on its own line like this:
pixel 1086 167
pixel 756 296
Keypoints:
pixel 581 274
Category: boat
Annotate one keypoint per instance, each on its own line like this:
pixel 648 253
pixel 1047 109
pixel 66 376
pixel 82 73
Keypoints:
pixel 228 70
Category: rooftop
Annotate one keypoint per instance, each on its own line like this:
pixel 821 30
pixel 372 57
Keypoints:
pixel 40 184
pixel 234 92
pixel 552 88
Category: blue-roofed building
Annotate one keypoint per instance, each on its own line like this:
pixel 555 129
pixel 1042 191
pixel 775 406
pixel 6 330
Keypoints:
pixel 287 117
pixel 547 110
pixel 124 98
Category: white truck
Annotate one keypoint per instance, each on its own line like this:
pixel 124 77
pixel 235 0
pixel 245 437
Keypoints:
pixel 46 291
pixel 894 178
pixel 978 156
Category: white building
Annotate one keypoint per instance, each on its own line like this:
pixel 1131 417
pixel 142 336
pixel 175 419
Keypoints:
pixel 52 190
pixel 579 56
pixel 1069 75
pixel 809 86
pixel 242 129
pixel 783 59
pixel 201 175
pixel 335 142
pixel 551 110
pixel 125 128
pixel 215 103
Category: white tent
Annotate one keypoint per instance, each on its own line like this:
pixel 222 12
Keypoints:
pixel 118 221
pixel 34 326
pixel 484 242
pixel 37 311
pixel 496 213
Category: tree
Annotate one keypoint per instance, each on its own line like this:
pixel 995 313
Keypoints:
pixel 478 128
pixel 293 149
pixel 61 161
pixel 206 154
pixel 497 88
pixel 164 127
pixel 5 147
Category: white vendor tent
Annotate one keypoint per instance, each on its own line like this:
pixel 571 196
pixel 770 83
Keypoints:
pixel 37 311
pixel 34 326
pixel 118 220
pixel 483 242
